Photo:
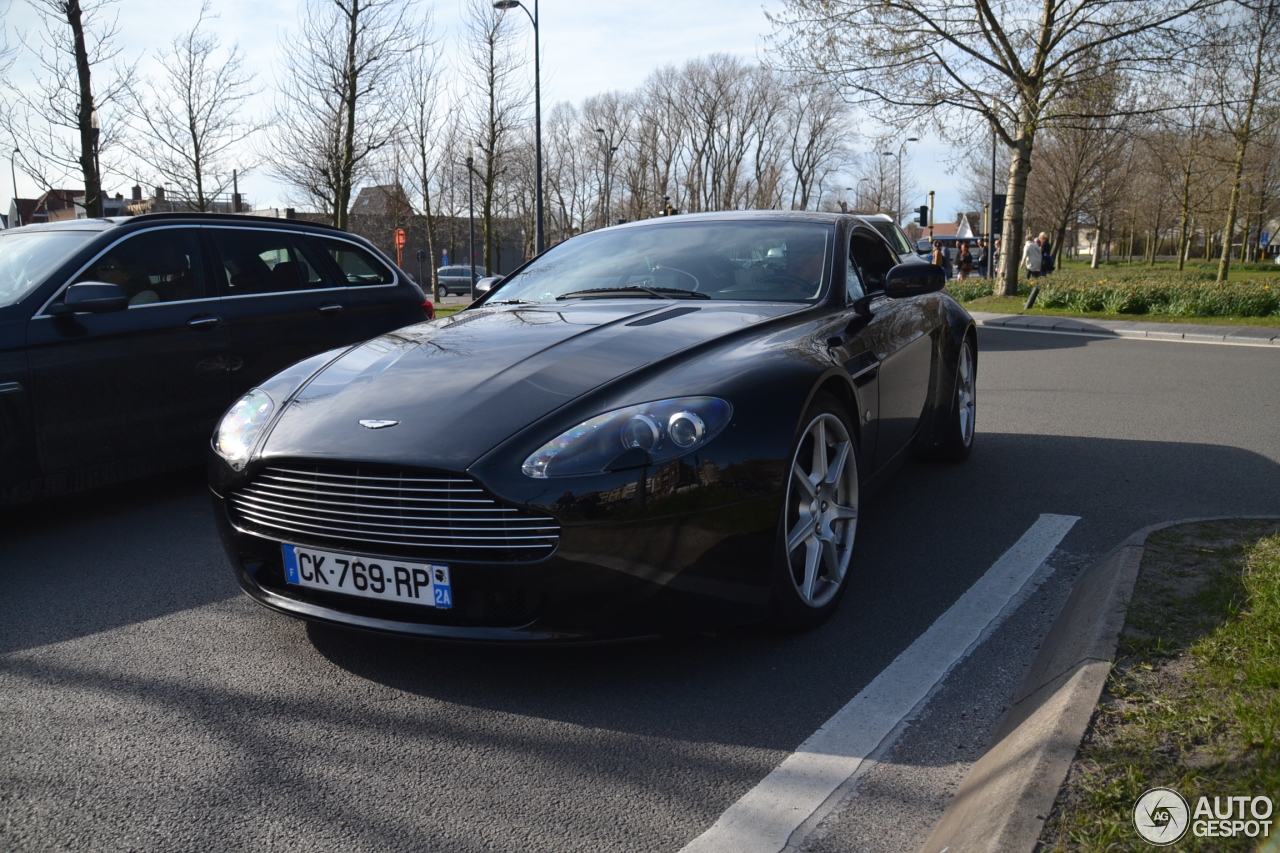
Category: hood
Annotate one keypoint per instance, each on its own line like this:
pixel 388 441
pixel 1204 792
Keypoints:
pixel 461 385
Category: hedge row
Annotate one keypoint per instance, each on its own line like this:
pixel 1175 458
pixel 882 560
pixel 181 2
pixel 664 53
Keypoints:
pixel 1185 294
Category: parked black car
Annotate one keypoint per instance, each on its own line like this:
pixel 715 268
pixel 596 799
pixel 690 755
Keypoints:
pixel 456 280
pixel 666 425
pixel 122 341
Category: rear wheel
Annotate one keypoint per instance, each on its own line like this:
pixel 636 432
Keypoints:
pixel 819 521
pixel 958 434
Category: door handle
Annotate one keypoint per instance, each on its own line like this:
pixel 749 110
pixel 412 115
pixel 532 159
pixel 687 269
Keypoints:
pixel 331 308
pixel 207 322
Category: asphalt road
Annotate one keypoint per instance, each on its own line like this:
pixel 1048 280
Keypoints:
pixel 145 704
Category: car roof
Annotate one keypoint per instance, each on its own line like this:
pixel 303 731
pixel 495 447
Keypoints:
pixel 186 217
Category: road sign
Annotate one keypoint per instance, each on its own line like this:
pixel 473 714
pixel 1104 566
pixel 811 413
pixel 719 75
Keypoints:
pixel 1264 239
pixel 401 239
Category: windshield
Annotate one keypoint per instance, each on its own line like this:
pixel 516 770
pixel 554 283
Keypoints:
pixel 764 261
pixel 27 257
pixel 894 235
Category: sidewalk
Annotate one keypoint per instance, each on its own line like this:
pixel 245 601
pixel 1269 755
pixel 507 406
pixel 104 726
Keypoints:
pixel 1250 336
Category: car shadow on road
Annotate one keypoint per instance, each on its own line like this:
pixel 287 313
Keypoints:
pixel 925 538
pixel 116 556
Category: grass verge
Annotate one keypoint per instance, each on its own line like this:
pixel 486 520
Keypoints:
pixel 446 310
pixel 1193 700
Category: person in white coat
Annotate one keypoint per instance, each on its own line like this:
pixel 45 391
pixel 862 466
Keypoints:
pixel 1031 258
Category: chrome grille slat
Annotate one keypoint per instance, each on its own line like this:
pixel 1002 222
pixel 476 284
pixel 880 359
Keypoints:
pixel 366 508
pixel 349 493
pixel 265 495
pixel 289 512
pixel 269 518
pixel 273 471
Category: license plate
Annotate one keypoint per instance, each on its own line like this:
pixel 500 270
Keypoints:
pixel 383 578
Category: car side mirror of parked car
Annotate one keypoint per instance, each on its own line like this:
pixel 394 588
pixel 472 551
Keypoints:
pixel 914 280
pixel 95 297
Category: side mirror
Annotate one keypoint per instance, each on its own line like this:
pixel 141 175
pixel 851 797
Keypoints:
pixel 914 280
pixel 94 297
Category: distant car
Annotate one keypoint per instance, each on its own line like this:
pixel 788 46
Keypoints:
pixel 924 246
pixel 891 232
pixel 122 341
pixel 658 427
pixel 456 280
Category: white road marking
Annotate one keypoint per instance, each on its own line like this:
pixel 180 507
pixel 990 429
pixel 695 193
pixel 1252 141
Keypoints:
pixel 767 815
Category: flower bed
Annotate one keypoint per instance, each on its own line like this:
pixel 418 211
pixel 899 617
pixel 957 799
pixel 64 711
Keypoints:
pixel 1169 293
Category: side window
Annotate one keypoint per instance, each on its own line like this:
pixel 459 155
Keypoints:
pixel 853 280
pixel 357 265
pixel 256 261
pixel 156 266
pixel 873 258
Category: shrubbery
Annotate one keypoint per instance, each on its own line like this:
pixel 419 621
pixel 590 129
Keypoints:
pixel 1192 293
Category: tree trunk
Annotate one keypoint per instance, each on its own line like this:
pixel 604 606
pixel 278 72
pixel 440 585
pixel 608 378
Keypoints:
pixel 1011 240
pixel 88 158
pixel 346 171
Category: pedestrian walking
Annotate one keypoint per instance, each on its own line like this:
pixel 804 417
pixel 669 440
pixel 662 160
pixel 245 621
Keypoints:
pixel 1031 258
pixel 942 258
pixel 1046 254
pixel 980 259
pixel 964 266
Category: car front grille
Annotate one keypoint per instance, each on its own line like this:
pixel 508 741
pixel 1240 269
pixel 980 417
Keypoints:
pixel 373 509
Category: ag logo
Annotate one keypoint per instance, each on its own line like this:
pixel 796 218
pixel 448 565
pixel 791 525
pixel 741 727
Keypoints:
pixel 1161 816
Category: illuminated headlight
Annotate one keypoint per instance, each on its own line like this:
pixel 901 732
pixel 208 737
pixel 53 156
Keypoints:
pixel 241 426
pixel 637 435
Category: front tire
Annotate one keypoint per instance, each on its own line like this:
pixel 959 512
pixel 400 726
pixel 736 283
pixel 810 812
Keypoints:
pixel 819 523
pixel 442 292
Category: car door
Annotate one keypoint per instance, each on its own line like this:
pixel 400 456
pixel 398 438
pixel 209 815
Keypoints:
pixel 280 300
pixel 898 334
pixel 377 299
pixel 146 381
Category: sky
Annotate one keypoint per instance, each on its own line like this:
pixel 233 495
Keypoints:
pixel 588 47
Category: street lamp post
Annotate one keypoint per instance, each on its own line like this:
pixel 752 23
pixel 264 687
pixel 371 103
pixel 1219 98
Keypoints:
pixel 96 126
pixel 897 202
pixel 540 242
pixel 471 224
pixel 860 182
pixel 608 166
pixel 13 173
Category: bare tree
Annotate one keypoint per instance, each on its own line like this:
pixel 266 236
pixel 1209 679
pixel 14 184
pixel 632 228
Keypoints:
pixel 818 138
pixel 190 120
pixel 339 105
pixel 495 107
pixel 63 126
pixel 962 63
pixel 1242 63
pixel 428 149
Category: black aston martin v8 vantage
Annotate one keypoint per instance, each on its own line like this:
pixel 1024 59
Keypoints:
pixel 658 427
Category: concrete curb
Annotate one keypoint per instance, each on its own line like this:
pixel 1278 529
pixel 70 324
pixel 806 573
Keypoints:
pixel 1004 801
pixel 1244 336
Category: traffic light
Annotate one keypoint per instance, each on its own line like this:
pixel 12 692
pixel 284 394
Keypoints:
pixel 922 215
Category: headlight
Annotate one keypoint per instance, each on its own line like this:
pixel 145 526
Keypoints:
pixel 241 426
pixel 636 435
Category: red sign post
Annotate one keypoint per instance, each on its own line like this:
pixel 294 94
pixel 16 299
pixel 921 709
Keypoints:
pixel 401 239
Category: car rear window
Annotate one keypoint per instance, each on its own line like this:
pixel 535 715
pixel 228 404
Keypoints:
pixel 27 257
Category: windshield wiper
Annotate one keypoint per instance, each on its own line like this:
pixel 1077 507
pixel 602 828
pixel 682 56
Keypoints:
pixel 634 290
pixel 510 302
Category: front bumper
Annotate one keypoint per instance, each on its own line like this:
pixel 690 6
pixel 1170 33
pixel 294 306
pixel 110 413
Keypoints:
pixel 672 574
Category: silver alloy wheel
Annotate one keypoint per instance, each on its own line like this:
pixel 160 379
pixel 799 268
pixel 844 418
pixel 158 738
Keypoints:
pixel 966 393
pixel 822 510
